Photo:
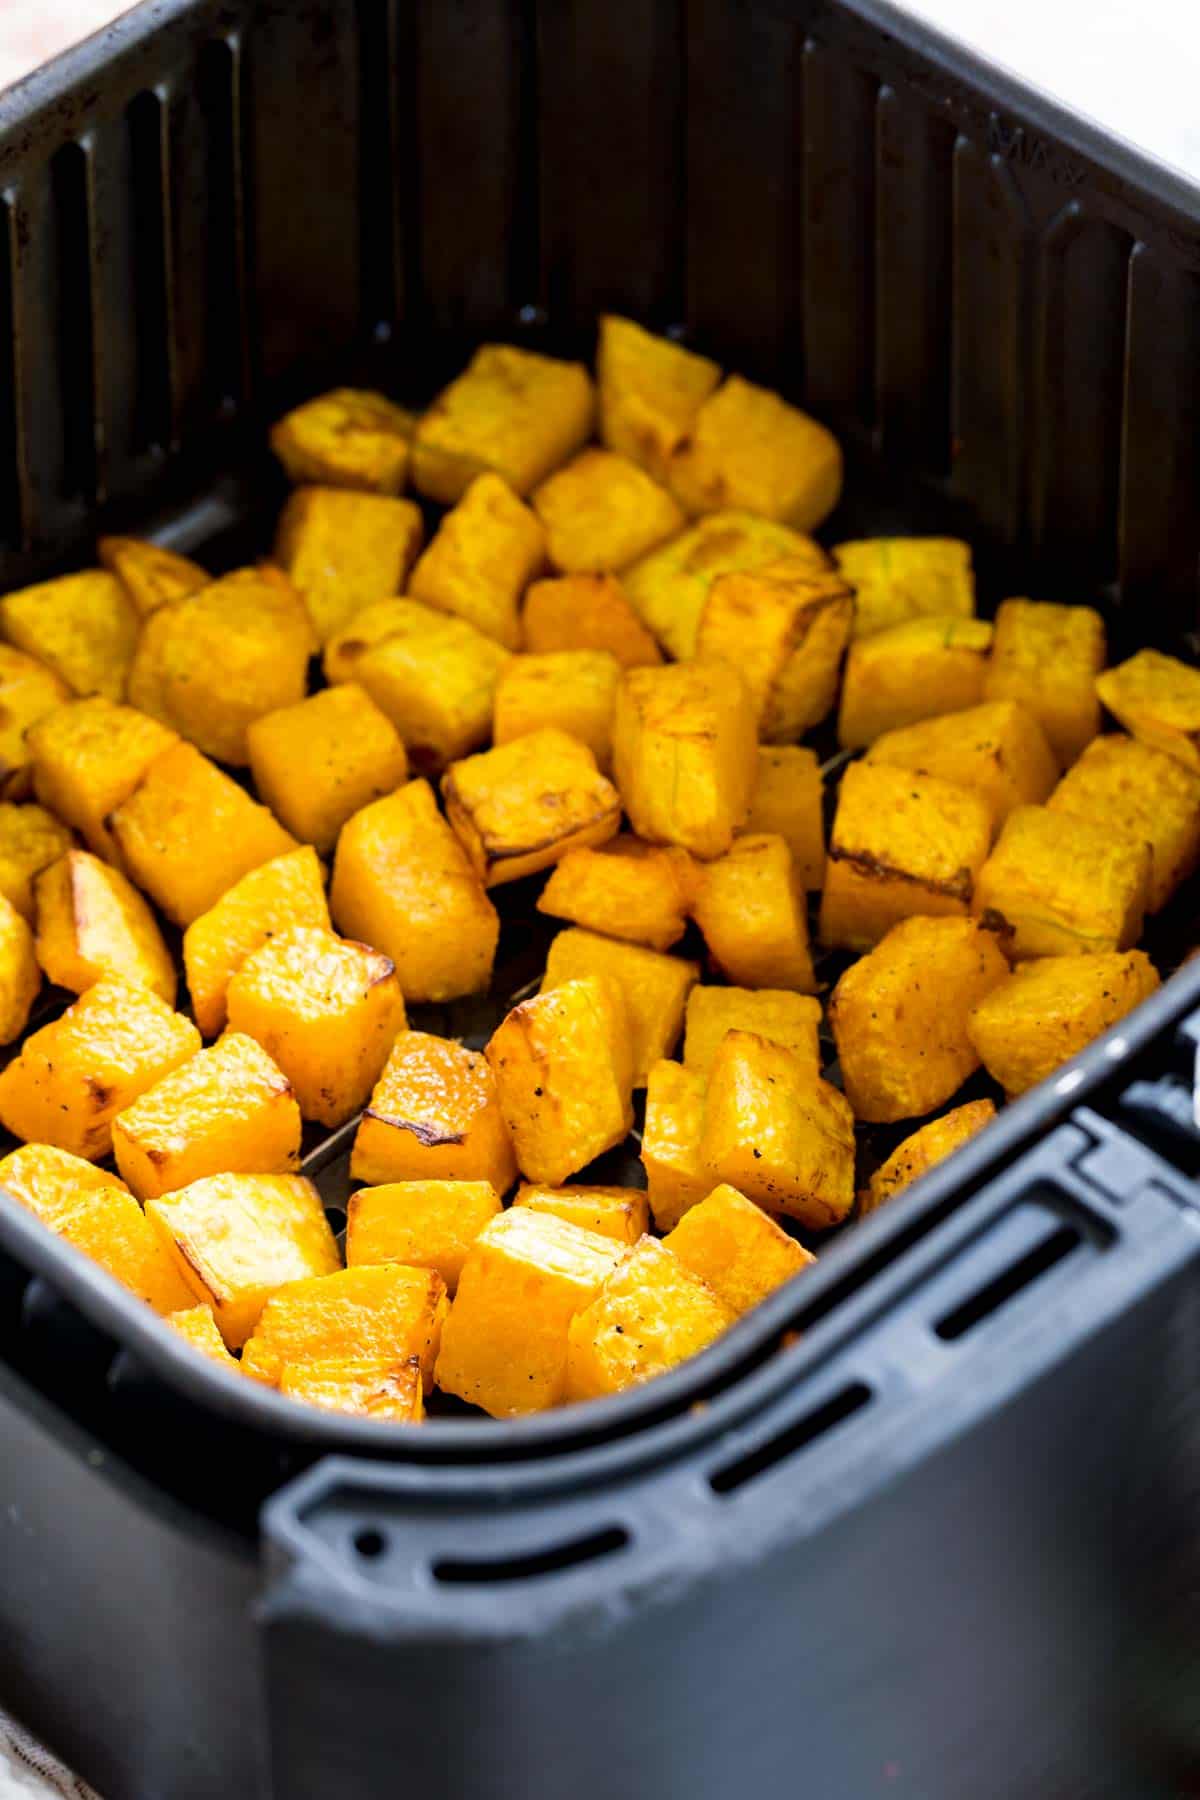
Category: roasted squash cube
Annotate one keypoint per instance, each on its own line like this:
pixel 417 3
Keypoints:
pixel 149 574
pixel 1151 796
pixel 1047 657
pixel 784 627
pixel 235 1239
pixel 1157 698
pixel 196 1325
pixel 52 1182
pixel 602 512
pixel 345 550
pixel 20 976
pixel 1063 884
pixel 620 1213
pixel 434 1116
pixel 92 922
pixel 423 1224
pixel 1049 1010
pixel 349 437
pixel 521 806
pixel 483 556
pixel 381 1317
pixel 685 754
pixel 671 1135
pixel 777 1132
pixel 899 1016
pixel 228 1110
pixel 908 672
pixel 288 890
pixel 28 691
pixel 563 1063
pixel 752 909
pixel 586 612
pixel 84 627
pixel 30 840
pixel 187 832
pixel 651 1313
pixel 931 1144
pixel 572 690
pixel 780 1016
pixel 403 882
pixel 895 579
pixel 393 1392
pixel 737 1248
pixel 511 411
pixel 901 844
pixel 108 1225
pixel 649 391
pixel 625 889
pixel 748 447
pixel 788 802
pixel 504 1346
pixel 998 750
pixel 87 758
pixel 655 988
pixel 319 761
pixel 73 1076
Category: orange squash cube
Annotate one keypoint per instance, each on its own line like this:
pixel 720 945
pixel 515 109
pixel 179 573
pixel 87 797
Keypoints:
pixel 685 754
pixel 349 437
pixel 91 922
pixel 83 626
pixel 482 557
pixel 289 890
pixel 650 1314
pixel 650 391
pixel 52 1182
pixel 1061 884
pixel 1146 793
pixel 434 1116
pixel 315 764
pixel 620 1213
pixel 1047 658
pixel 394 1392
pixel 381 1316
pixel 1157 699
pixel 751 907
pixel 788 802
pixel 737 1249
pixel 895 579
pixel 30 840
pixel 625 889
pixel 601 512
pixel 343 550
pixel 573 690
pixel 910 672
pixel 512 412
pixel 196 1325
pixel 780 1016
pixel 521 806
pixel 28 691
pixel 671 1136
pixel 1049 1010
pixel 20 976
pixel 748 447
pixel 931 1144
pixel 784 627
pixel 655 988
pixel 423 1224
pixel 108 1225
pixel 149 574
pixel 998 750
pixel 586 612
pixel 87 758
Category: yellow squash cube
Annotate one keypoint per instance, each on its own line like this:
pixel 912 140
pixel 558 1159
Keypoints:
pixel 1048 657
pixel 1049 1010
pixel 84 627
pixel 423 1224
pixel 504 1345
pixel 73 1076
pixel 403 882
pixel 345 550
pixel 187 832
pixel 931 1144
pixel 483 556
pixel 236 1239
pixel 651 1313
pixel 52 1182
pixel 20 976
pixel 30 840
pixel 288 890
pixel 899 1016
pixel 381 1317
pixel 777 1132
pixel 196 1325
pixel 752 909
pixel 149 574
pixel 393 1392
pixel 998 750
pixel 318 762
pixel 895 579
pixel 349 437
pixel 87 758
pixel 671 1136
pixel 685 754
pixel 620 1213
pixel 625 889
pixel 784 627
pixel 649 391
pixel 736 1248
pixel 1063 885
pixel 1154 798
pixel 655 988
pixel 512 412
pixel 573 690
pixel 586 612
pixel 909 672
pixel 901 844
pixel 563 1063
pixel 92 922
pixel 1157 698
pixel 28 691
pixel 780 1016
pixel 521 806
pixel 108 1225
pixel 748 447
pixel 228 1109
pixel 434 1116
pixel 602 512
pixel 788 802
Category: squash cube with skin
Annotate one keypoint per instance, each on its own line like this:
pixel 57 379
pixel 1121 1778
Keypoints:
pixel 650 391
pixel 1157 699
pixel 573 690
pixel 197 1327
pixel 423 1224
pixel 92 922
pixel 504 1345
pixel 748 447
pixel 108 1225
pixel 655 988
pixel 392 1392
pixel 1049 1010
pixel 482 558
pixel 345 550
pixel 784 627
pixel 511 412
pixel 520 807
pixel 228 1110
pixel 30 840
pixel 28 691
pixel 1151 796
pixel 237 1238
pixel 620 1213
pixel 149 574
pixel 909 672
pixel 318 762
pixel 780 1016
pixel 188 832
pixel 777 1133
pixel 84 627
pixel 896 579
pixel 349 437
pixel 1047 657
pixel 381 1316
pixel 675 1179
pixel 998 750
pixel 289 890
pixel 1063 885
pixel 586 612
pixel 325 1010
pixel 563 1065
pixel 685 754
pixel 602 512
pixel 87 759
pixel 902 844
pixel 930 1144
pixel 737 1248
pixel 899 1016
pixel 20 976
pixel 788 802
pixel 73 1076
pixel 651 1314
pixel 624 889
pixel 403 882
pixel 752 909
pixel 434 1116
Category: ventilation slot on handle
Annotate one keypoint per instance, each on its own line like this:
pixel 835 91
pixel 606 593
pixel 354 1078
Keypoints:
pixel 805 1431
pixel 487 1571
pixel 998 1292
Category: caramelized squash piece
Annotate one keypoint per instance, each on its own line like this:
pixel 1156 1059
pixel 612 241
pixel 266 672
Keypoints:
pixel 289 890
pixel 675 1179
pixel 685 754
pixel 317 763
pixel 909 672
pixel 393 1392
pixel 87 759
pixel 650 391
pixel 51 1182
pixel 344 550
pixel 1146 793
pixel 482 557
pixel 1049 1010
pixel 92 922
pixel 737 1248
pixel 751 907
pixel 511 412
pixel 1061 884
pixel 28 691
pixel 423 1224
pixel 574 691
pixel 918 1153
pixel 20 976
pixel 586 612
pixel 654 987
pixel 998 750
pixel 349 437
pixel 30 840
pixel 149 574
pixel 520 807
pixel 1157 699
pixel 651 1313
pixel 1047 658
pixel 381 1316
pixel 788 802
pixel 624 889
pixel 784 627
pixel 620 1213
pixel 196 1325
pixel 602 512
pixel 83 626
pixel 748 447
pixel 108 1225
pixel 780 1016
pixel 895 579
pixel 434 1115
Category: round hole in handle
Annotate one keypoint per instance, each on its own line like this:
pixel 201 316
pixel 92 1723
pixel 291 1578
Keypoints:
pixel 369 1542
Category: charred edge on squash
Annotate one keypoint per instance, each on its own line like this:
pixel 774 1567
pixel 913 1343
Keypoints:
pixel 959 887
pixel 429 1135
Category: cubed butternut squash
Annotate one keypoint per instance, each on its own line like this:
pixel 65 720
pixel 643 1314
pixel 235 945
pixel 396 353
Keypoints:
pixel 788 801
pixel 513 412
pixel 197 1327
pixel 108 1225
pixel 685 754
pixel 1049 1010
pixel 390 1391
pixel 586 612
pixel 149 574
pixel 911 671
pixel 521 806
pixel 748 447
pixel 675 1179
pixel 602 511
pixel 83 626
pixel 1144 792
pixel 998 750
pixel 289 890
pixel 737 1249
pixel 780 1016
pixel 655 988
pixel 620 1213
pixel 92 922
pixel 931 1144
pixel 572 690
pixel 344 550
pixel 650 1314
pixel 751 906
pixel 895 579
pixel 87 759
pixel 434 1116
pixel 625 889
pixel 316 763
pixel 423 1224
pixel 483 556
pixel 650 391
pixel 20 976
pixel 1157 699
pixel 30 840
pixel 349 437
pixel 379 1316
pixel 784 627
pixel 51 1182
pixel 1047 657
pixel 28 691
pixel 1062 885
